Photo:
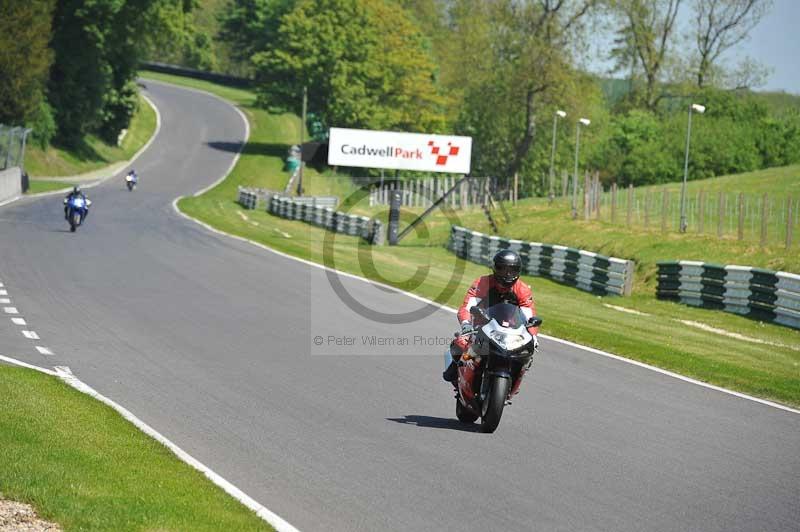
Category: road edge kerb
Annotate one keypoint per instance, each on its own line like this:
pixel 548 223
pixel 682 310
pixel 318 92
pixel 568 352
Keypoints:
pixel 434 303
pixel 273 519
pixel 118 165
pixel 67 377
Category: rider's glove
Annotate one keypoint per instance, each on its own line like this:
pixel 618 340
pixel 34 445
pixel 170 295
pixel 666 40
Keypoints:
pixel 466 327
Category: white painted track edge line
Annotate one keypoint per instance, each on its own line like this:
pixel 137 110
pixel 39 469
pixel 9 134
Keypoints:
pixel 16 362
pixel 453 311
pixel 101 180
pixel 277 522
pixel 235 108
pixel 273 519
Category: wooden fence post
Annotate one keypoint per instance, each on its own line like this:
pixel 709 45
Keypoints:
pixel 721 215
pixel 630 206
pixel 647 209
pixel 664 203
pixel 613 202
pixel 741 216
pixel 701 215
pixel 789 222
pixel 586 195
pixel 764 205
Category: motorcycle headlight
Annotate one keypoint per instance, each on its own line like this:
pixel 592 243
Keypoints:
pixel 508 341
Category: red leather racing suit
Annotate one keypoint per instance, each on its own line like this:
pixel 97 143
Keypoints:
pixel 486 292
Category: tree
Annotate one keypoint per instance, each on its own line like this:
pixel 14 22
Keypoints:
pixel 720 25
pixel 650 23
pixel 172 36
pixel 519 67
pixel 25 58
pixel 363 61
pixel 249 26
pixel 98 45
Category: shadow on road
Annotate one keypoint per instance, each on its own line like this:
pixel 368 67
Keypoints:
pixel 251 148
pixel 435 423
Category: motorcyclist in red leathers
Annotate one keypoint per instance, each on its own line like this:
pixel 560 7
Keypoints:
pixel 502 286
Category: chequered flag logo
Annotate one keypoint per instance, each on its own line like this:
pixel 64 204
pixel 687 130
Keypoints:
pixel 441 159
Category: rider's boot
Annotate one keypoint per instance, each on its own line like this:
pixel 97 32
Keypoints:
pixel 451 357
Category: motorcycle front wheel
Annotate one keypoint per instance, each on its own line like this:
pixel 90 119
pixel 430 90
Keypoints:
pixel 495 402
pixel 74 221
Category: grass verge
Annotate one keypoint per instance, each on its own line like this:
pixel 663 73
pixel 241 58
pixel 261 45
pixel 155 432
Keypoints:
pixel 763 361
pixel 82 465
pixel 92 153
pixel 41 185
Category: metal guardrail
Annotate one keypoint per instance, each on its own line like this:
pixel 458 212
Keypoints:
pixel 177 70
pixel 369 229
pixel 12 146
pixel 575 267
pixel 765 295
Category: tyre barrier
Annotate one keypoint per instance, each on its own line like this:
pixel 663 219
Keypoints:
pixel 251 198
pixel 574 267
pixel 765 295
pixel 369 229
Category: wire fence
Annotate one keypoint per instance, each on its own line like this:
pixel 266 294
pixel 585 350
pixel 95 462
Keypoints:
pixel 766 218
pixel 12 146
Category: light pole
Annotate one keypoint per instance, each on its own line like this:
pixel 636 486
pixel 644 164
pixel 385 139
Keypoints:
pixel 562 114
pixel 700 109
pixel 585 122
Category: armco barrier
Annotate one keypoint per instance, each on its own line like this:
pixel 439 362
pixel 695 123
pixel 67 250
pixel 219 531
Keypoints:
pixel 369 229
pixel 582 269
pixel 765 295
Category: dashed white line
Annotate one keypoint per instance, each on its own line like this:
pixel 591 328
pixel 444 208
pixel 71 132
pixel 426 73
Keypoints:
pixel 3 292
pixel 5 300
pixel 10 310
pixel 19 321
pixel 31 335
pixel 44 350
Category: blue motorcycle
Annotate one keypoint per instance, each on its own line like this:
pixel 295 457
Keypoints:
pixel 77 207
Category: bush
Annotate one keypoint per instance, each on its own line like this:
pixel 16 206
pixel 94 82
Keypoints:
pixel 43 124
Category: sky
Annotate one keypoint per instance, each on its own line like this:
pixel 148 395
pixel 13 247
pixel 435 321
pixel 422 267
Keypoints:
pixel 774 42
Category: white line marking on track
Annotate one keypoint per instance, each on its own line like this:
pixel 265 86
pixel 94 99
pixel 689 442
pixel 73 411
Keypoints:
pixel 44 350
pixel 5 300
pixel 19 321
pixel 31 335
pixel 64 373
pixel 3 292
pixel 453 311
pixel 10 310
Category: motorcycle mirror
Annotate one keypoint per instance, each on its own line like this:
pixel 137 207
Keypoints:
pixel 535 321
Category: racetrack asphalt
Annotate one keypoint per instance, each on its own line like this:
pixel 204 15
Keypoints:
pixel 210 341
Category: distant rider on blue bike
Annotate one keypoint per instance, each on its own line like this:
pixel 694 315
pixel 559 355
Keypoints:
pixel 76 192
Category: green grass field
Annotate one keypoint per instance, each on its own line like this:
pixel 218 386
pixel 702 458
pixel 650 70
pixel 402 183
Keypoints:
pixel 766 364
pixel 82 465
pixel 93 153
pixel 41 185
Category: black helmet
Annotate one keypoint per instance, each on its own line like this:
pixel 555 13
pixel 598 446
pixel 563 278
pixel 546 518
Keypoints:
pixel 506 266
pixel 76 189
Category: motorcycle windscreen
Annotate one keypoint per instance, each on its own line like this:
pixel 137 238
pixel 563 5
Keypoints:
pixel 507 315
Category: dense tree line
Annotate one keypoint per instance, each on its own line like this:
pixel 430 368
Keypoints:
pixel 68 67
pixel 498 69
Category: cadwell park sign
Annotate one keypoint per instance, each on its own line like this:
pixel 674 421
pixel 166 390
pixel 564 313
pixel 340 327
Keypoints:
pixel 399 151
